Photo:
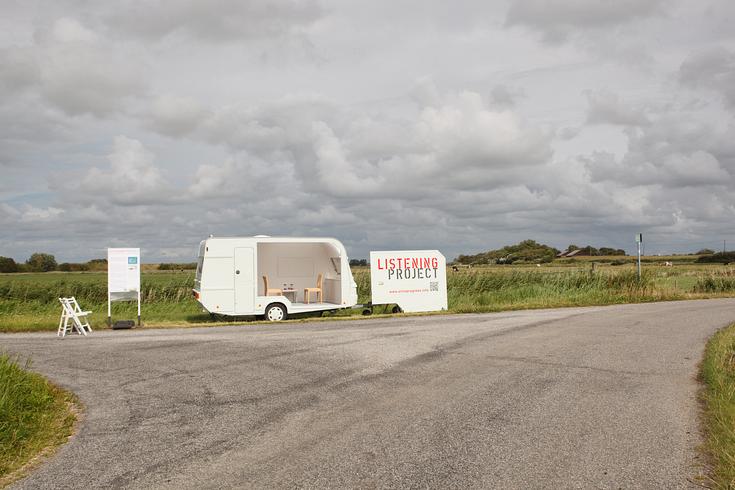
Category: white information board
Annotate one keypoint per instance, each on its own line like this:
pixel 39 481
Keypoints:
pixel 415 280
pixel 123 276
pixel 123 270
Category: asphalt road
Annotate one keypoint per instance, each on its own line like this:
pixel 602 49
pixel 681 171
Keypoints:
pixel 572 398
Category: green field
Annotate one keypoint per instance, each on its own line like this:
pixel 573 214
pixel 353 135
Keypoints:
pixel 29 301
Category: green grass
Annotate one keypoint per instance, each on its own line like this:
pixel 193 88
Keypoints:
pixel 29 302
pixel 34 415
pixel 718 374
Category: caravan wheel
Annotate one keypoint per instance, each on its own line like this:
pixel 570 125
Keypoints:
pixel 275 312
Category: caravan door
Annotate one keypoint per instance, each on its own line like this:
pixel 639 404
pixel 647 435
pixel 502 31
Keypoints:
pixel 244 281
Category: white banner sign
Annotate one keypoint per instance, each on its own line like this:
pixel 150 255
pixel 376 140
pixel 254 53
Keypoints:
pixel 415 280
pixel 123 270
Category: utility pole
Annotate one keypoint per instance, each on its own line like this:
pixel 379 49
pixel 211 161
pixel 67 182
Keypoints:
pixel 639 240
pixel 724 246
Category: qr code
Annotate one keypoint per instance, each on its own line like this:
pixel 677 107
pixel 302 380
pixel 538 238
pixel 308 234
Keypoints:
pixel 434 286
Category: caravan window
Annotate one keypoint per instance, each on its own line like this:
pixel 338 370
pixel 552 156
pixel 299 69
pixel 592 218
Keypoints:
pixel 200 266
pixel 337 264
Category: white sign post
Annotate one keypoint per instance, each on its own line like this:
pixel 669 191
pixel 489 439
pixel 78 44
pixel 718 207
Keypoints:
pixel 415 280
pixel 123 277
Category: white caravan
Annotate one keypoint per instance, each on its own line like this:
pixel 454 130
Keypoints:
pixel 273 276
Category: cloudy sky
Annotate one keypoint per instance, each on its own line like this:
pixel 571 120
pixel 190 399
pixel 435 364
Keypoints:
pixel 462 126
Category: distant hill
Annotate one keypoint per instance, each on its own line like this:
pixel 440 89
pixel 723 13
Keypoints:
pixel 527 251
pixel 532 252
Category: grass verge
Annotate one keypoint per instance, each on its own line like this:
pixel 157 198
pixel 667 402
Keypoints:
pixel 35 418
pixel 718 374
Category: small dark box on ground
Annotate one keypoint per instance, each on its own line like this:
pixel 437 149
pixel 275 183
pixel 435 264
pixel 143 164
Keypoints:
pixel 121 324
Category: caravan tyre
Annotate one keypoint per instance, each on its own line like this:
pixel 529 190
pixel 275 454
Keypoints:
pixel 275 312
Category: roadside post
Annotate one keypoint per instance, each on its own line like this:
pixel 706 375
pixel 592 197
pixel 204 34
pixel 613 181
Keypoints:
pixel 639 241
pixel 123 278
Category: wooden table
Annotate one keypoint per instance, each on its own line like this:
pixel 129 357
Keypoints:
pixel 290 294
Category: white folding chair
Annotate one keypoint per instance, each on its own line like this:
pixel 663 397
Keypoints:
pixel 71 318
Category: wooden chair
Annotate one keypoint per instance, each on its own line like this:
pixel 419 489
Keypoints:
pixel 317 290
pixel 270 292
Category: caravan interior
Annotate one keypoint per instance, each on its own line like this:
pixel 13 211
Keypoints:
pixel 294 267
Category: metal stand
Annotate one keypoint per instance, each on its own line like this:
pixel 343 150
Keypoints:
pixel 370 308
pixel 109 309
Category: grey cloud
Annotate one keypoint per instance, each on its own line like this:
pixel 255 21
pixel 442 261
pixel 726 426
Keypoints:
pixel 713 69
pixel 214 20
pixel 19 70
pixel 175 116
pixel 73 69
pixel 504 97
pixel 557 19
pixel 675 156
pixel 605 107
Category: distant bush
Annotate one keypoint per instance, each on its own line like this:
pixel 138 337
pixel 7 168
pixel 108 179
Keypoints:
pixel 617 262
pixel 40 262
pixel 705 251
pixel 714 284
pixel 358 262
pixel 719 257
pixel 8 265
pixel 97 265
pixel 591 251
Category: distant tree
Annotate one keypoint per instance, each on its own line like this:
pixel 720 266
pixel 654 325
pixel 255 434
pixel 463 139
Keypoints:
pixel 8 265
pixel 611 251
pixel 72 267
pixel 358 262
pixel 705 251
pixel 40 262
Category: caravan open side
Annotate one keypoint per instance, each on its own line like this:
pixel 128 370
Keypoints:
pixel 273 276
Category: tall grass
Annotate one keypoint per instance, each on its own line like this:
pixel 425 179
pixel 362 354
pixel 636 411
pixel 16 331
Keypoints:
pixel 718 374
pixel 33 415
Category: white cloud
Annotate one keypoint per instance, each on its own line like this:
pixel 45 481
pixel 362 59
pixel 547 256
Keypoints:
pixel 69 30
pixel 132 177
pixel 33 214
